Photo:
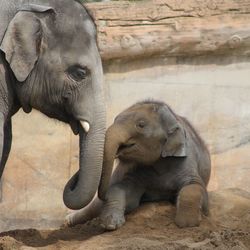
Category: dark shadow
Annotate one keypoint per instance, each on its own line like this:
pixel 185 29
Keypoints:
pixel 41 238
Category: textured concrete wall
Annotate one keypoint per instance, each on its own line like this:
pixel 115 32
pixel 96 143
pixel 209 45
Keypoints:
pixel 212 92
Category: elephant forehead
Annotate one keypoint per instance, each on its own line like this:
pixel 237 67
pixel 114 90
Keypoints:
pixel 76 44
pixel 143 110
pixel 72 18
pixel 75 28
pixel 86 55
pixel 136 113
pixel 70 8
pixel 89 28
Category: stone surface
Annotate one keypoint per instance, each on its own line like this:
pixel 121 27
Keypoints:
pixel 172 28
pixel 36 172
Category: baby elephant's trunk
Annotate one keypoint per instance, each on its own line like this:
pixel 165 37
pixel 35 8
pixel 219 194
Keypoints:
pixel 115 136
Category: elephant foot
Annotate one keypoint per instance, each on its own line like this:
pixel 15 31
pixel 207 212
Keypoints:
pixel 188 219
pixel 112 220
pixel 189 206
pixel 78 217
pixel 69 220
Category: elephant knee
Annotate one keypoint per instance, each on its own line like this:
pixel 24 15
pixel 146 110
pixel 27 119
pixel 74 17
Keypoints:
pixel 115 196
pixel 190 195
pixel 189 206
pixel 194 195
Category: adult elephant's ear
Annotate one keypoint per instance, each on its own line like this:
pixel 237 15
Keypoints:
pixel 175 144
pixel 22 40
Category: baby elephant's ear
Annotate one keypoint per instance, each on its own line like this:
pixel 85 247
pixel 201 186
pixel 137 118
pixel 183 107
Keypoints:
pixel 175 144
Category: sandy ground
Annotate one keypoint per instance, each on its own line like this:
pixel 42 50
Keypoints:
pixel 150 227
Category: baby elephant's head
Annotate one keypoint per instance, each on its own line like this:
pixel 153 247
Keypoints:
pixel 143 134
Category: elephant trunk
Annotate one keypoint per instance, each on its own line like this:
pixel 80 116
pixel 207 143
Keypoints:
pixel 82 186
pixel 115 136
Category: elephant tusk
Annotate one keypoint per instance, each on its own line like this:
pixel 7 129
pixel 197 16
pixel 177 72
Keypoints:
pixel 85 126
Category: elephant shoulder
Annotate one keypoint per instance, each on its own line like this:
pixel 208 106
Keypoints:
pixel 193 133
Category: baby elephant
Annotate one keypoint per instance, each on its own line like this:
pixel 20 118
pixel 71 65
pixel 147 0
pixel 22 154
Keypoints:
pixel 161 157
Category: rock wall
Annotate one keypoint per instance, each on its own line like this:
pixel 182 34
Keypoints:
pixel 212 92
pixel 172 28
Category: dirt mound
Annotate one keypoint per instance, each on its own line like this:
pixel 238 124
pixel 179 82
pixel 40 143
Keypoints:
pixel 150 227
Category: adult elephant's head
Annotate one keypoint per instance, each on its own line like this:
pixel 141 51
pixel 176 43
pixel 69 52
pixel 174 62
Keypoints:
pixel 53 58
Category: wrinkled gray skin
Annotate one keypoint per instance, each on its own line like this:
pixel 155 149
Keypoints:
pixel 161 157
pixel 49 61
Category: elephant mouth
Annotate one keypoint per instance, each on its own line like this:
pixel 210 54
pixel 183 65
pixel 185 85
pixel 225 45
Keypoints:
pixel 125 148
pixel 75 126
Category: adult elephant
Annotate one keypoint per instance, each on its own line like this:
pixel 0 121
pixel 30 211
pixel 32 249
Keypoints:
pixel 49 61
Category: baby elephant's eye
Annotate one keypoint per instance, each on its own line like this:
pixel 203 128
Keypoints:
pixel 77 73
pixel 141 124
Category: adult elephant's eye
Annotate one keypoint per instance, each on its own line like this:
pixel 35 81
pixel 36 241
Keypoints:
pixel 77 73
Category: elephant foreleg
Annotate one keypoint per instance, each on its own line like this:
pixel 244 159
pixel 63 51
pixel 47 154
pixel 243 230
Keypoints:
pixel 121 197
pixel 93 209
pixel 191 200
pixel 5 143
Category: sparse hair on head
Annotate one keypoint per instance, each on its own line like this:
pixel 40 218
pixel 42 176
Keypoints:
pixel 158 104
pixel 151 101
